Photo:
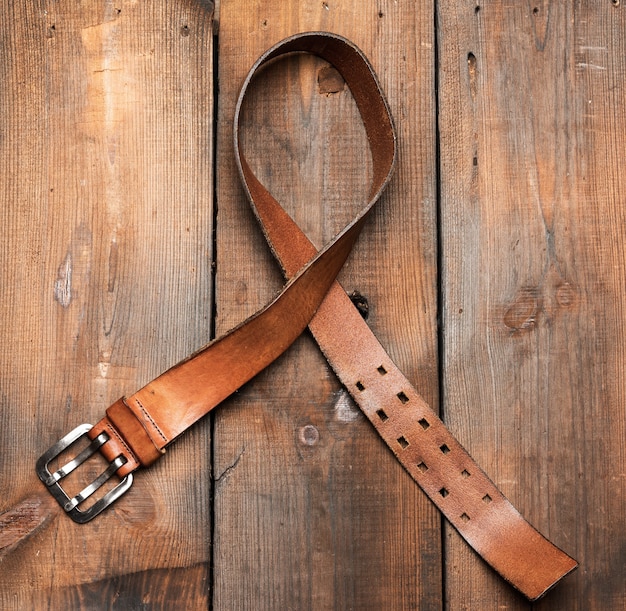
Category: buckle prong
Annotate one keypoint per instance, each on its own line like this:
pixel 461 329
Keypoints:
pixel 88 452
pixel 51 480
pixel 99 481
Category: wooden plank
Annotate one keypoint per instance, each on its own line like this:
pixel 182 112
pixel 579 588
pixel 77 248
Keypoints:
pixel 532 121
pixel 311 509
pixel 106 209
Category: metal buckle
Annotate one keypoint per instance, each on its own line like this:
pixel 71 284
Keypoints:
pixel 51 480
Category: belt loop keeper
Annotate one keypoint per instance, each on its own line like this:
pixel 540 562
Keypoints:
pixel 133 432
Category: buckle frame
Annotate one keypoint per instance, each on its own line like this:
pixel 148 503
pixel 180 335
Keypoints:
pixel 52 479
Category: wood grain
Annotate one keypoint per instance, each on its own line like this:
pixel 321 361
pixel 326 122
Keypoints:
pixel 532 121
pixel 311 510
pixel 106 205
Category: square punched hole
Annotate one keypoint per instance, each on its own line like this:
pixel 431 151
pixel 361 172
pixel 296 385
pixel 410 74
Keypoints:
pixel 465 517
pixel 444 492
pixel 403 441
pixel 360 386
pixel 422 467
pixel 444 449
pixel 487 499
pixel 424 423
pixel 465 474
pixel 403 398
pixel 382 415
pixel 381 370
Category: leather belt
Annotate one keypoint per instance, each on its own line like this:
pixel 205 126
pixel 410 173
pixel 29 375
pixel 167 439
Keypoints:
pixel 137 429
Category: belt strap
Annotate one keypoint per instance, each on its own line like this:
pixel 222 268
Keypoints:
pixel 137 429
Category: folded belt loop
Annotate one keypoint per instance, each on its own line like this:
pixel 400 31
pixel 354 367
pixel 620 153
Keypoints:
pixel 135 431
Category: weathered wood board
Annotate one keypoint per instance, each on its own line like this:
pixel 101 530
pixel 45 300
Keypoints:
pixel 324 516
pixel 493 273
pixel 532 123
pixel 106 215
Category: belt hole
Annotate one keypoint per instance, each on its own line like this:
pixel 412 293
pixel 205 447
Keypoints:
pixel 444 448
pixel 403 398
pixel 487 499
pixel 360 386
pixel 424 423
pixel 422 467
pixel 465 517
pixel 444 493
pixel 403 442
pixel 382 370
pixel 465 473
pixel 381 414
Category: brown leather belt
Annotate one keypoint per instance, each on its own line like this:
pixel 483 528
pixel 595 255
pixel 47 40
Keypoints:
pixel 136 429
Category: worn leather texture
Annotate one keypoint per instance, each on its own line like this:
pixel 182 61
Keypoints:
pixel 143 424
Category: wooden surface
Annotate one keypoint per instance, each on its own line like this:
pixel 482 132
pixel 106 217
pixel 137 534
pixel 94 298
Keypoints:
pixel 493 271
pixel 106 207
pixel 322 514
pixel 532 207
